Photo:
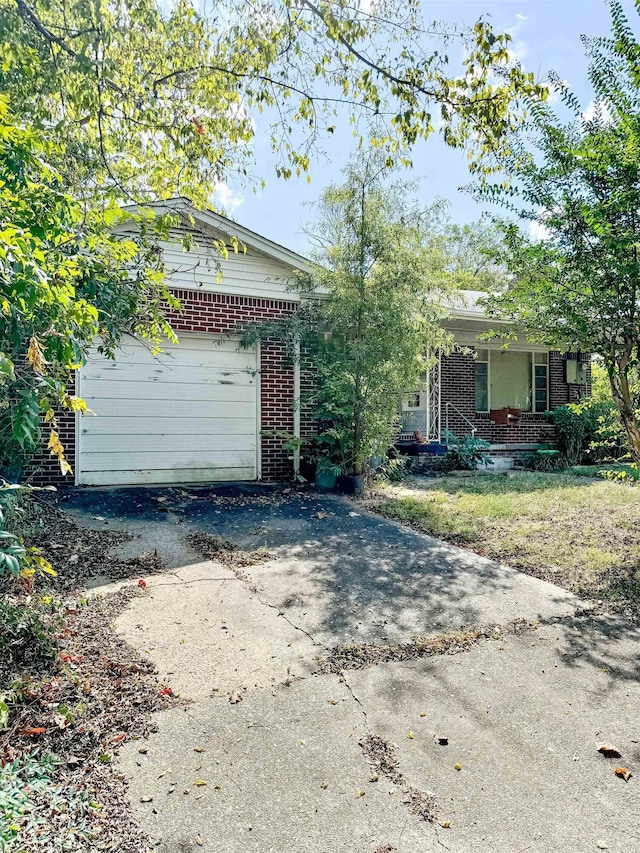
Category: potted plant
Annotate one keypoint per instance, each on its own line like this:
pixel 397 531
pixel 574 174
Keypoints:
pixel 326 474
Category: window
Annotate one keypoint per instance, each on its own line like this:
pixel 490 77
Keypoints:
pixel 511 379
pixel 541 382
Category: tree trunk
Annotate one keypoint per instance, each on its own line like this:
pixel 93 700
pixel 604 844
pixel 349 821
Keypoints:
pixel 622 398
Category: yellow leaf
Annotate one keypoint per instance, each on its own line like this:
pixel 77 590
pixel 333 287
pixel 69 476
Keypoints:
pixel 199 783
pixel 35 356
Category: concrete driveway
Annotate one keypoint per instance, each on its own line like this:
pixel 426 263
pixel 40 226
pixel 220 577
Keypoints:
pixel 489 745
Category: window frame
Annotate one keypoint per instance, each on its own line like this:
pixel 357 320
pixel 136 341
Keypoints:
pixel 534 364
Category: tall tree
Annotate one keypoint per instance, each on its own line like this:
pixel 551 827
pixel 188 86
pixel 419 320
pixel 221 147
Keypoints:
pixel 150 100
pixel 66 283
pixel 576 274
pixel 385 281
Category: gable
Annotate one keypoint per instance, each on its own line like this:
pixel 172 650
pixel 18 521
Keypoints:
pixel 259 268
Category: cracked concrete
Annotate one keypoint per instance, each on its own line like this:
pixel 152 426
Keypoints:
pixel 283 766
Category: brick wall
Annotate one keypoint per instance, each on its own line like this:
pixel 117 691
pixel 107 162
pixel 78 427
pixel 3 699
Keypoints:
pixel 219 313
pixel 458 388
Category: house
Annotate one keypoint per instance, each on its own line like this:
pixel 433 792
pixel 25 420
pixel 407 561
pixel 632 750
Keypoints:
pixel 208 410
pixel 500 394
pixel 205 410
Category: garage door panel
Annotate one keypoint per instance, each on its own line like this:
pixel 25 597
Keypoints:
pixel 166 476
pixel 170 443
pixel 124 426
pixel 159 460
pixel 186 391
pixel 153 372
pixel 189 358
pixel 158 409
pixel 190 416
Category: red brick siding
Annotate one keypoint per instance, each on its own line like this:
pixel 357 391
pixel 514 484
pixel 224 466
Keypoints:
pixel 458 388
pixel 46 468
pixel 219 313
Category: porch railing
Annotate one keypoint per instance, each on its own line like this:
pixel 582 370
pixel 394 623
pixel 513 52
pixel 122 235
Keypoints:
pixel 447 408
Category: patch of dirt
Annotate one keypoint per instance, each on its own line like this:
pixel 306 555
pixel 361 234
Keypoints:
pixel 100 694
pixel 361 656
pixel 384 761
pixel 78 554
pixel 222 551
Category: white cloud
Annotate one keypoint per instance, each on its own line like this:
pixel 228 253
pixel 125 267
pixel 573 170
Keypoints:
pixel 224 197
pixel 538 231
pixel 596 107
pixel 521 17
pixel 517 48
pixel 554 94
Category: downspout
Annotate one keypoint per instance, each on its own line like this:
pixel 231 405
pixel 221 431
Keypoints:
pixel 296 405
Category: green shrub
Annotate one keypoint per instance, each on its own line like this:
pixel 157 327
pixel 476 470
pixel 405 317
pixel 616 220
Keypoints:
pixel 27 641
pixel 18 780
pixel 589 431
pixel 468 452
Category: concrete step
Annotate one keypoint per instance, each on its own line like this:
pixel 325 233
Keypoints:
pixel 498 464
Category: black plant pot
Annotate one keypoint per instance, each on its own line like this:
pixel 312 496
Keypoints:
pixel 308 470
pixel 350 484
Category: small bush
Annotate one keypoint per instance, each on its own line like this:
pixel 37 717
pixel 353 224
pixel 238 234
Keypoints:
pixel 19 779
pixel 589 431
pixel 468 452
pixel 27 641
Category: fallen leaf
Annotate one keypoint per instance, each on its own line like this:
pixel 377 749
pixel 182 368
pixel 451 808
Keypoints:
pixel 457 766
pixel 623 773
pixel 199 783
pixel 422 714
pixel 446 824
pixel 143 750
pixel 361 793
pixel 33 731
pixel 410 735
pixel 198 749
pixel 198 841
pixel 609 751
pixel 374 777
pixel 142 583
pixel 146 799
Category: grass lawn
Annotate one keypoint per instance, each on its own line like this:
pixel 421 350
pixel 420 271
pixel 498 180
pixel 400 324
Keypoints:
pixel 582 534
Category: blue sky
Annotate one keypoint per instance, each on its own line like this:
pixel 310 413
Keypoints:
pixel 546 36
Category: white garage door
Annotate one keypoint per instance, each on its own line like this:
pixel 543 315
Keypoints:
pixel 190 415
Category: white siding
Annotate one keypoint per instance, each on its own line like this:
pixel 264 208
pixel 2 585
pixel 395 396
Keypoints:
pixel 187 416
pixel 203 267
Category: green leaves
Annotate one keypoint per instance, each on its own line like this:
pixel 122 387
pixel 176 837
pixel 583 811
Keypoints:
pixel 150 100
pixel 66 281
pixel 576 276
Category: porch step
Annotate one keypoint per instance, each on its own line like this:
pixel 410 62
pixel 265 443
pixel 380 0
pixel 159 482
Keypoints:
pixel 498 464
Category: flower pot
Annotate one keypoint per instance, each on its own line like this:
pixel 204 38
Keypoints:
pixel 308 470
pixel 350 484
pixel 325 481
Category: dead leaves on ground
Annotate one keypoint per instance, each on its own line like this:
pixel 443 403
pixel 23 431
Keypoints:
pixel 623 773
pixel 609 751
